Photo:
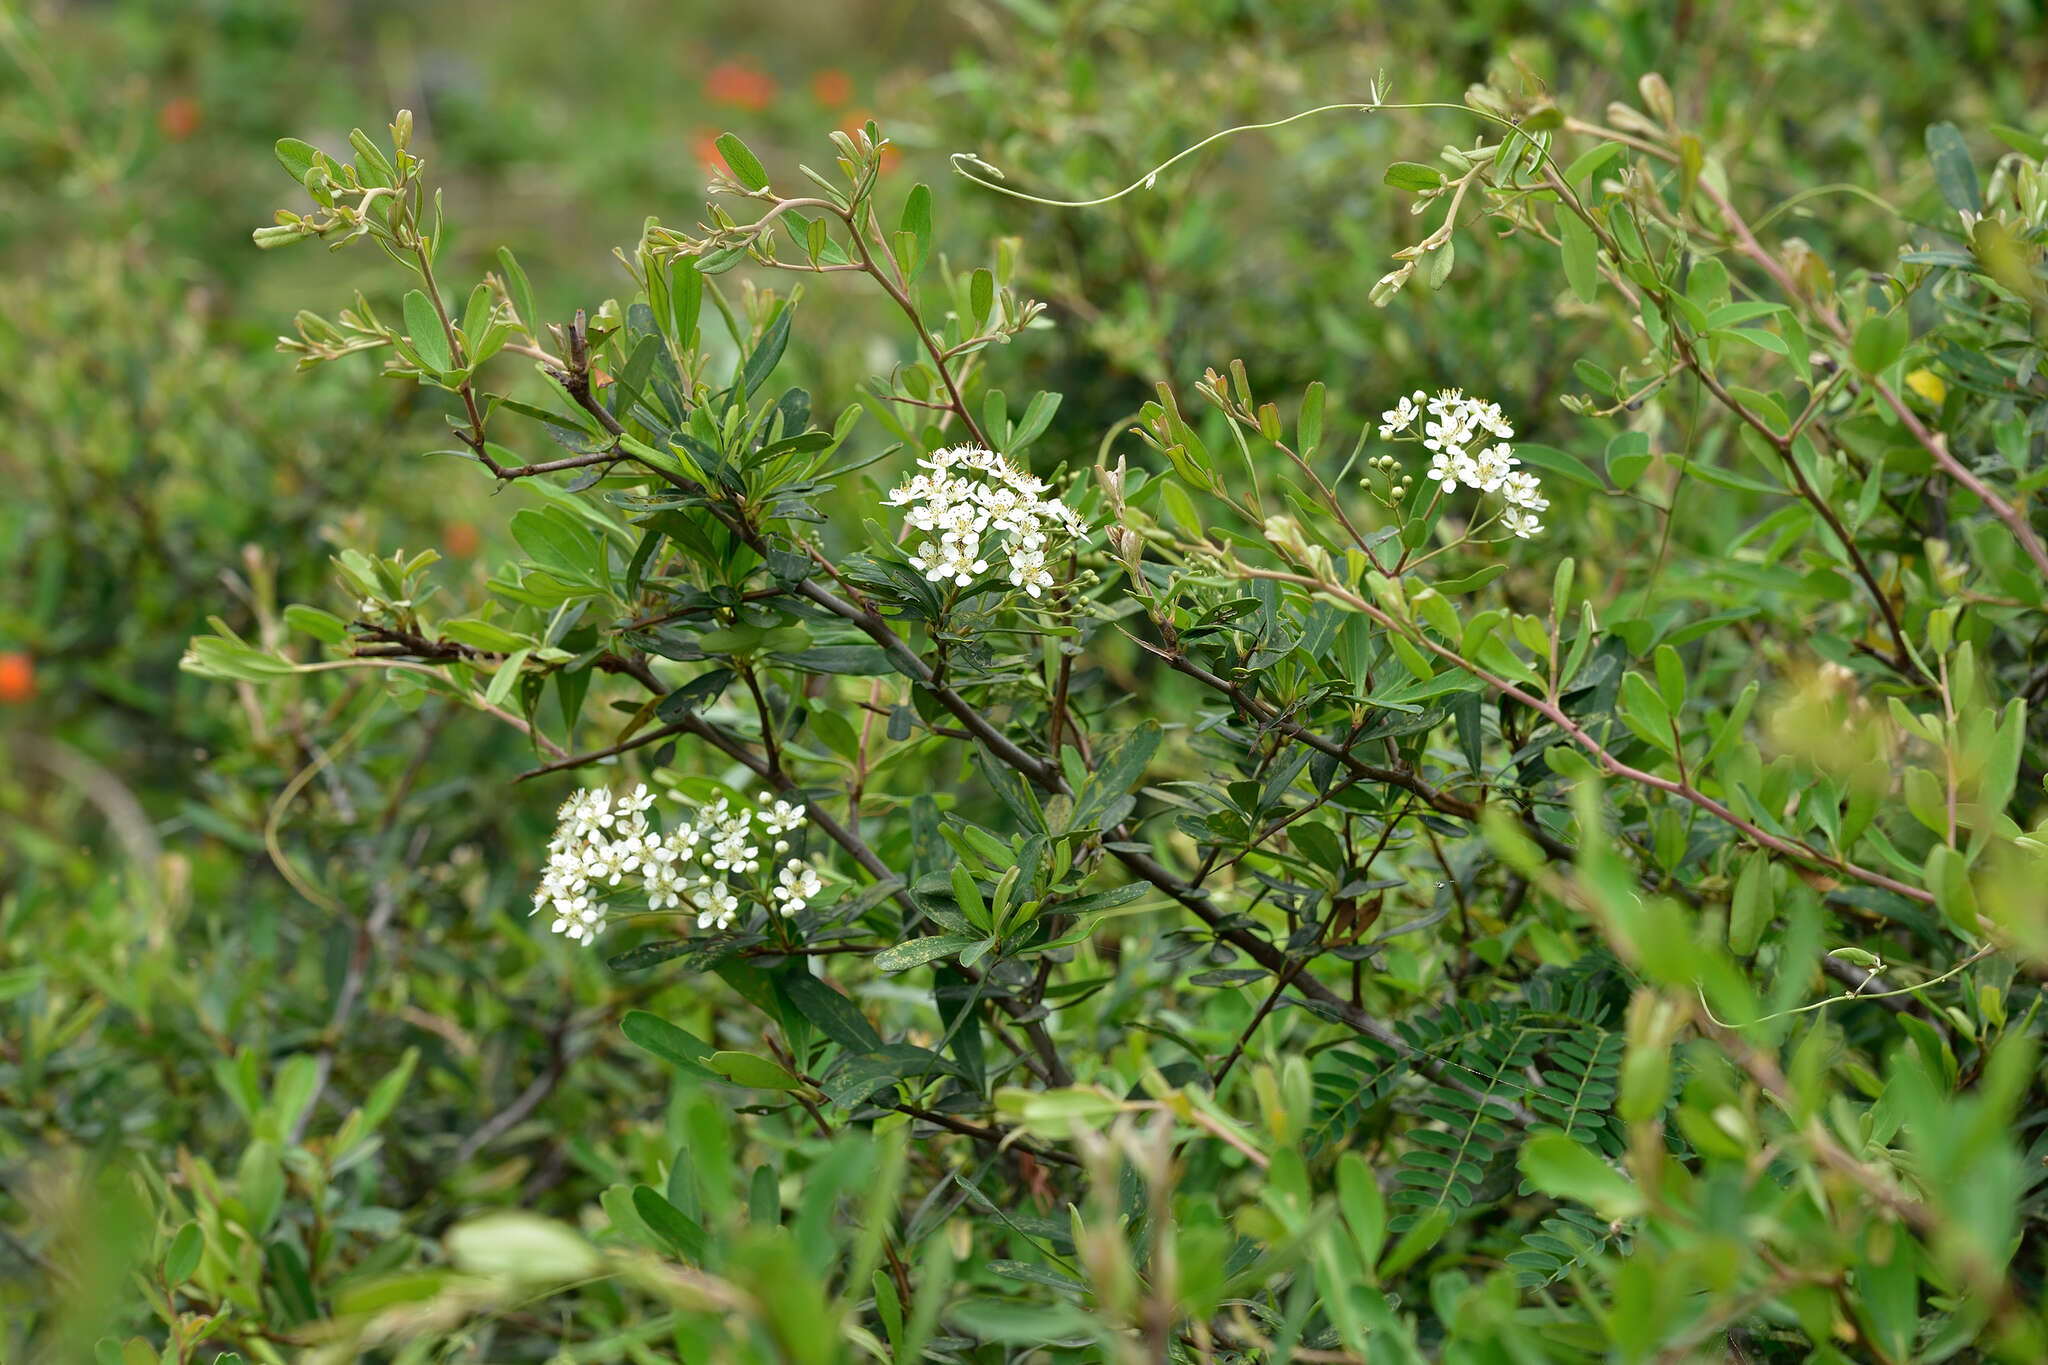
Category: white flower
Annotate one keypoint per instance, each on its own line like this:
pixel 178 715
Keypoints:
pixel 665 886
pixel 1076 525
pixel 1491 466
pixel 979 507
pixel 1028 571
pixel 602 840
pixel 940 560
pixel 1446 433
pixel 1522 489
pixel 716 906
pixel 799 882
pixel 782 817
pixel 1446 402
pixel 1443 468
pixel 578 920
pixel 680 842
pixel 1454 425
pixel 1399 417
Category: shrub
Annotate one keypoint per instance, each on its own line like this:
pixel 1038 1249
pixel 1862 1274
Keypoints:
pixel 1239 902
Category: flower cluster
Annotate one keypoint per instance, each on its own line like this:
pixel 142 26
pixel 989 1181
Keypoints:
pixel 601 841
pixel 969 496
pixel 1468 443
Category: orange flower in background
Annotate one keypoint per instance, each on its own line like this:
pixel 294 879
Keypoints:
pixel 704 146
pixel 832 87
pixel 739 85
pixel 17 677
pixel 461 539
pixel 178 119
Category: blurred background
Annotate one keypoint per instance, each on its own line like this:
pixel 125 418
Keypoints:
pixel 159 833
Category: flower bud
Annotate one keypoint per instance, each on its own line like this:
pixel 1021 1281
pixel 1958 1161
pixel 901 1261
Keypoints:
pixel 1656 93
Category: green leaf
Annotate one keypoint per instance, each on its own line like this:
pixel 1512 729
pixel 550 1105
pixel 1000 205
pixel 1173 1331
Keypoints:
pixel 968 896
pixel 1551 460
pixel 1311 424
pixel 1440 261
pixel 1120 768
pixel 1947 874
pixel 1590 161
pixel 1038 414
pixel 684 1234
pixel 1365 1209
pixel 520 290
pixel 745 166
pixel 294 1287
pixel 2021 141
pixel 557 544
pixel 423 329
pixel 324 626
pixel 981 295
pixel 183 1257
pixel 859 661
pixel 1954 172
pixel 919 951
pixel 1670 678
pixel 1421 1235
pixel 523 1247
pixel 1413 175
pixel 1879 340
pixel 832 1013
pixel 678 1047
pixel 768 354
pixel 1752 905
pixel 1581 249
pixel 756 1073
pixel 1887 1294
pixel 1628 456
pixel 1565 1169
pixel 917 222
pixel 298 158
pixel 506 677
pixel 383 1098
pixel 1646 706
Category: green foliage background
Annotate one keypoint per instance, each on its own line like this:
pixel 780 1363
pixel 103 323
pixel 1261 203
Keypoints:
pixel 266 947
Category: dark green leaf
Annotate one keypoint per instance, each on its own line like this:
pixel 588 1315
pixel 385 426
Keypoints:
pixel 1954 172
pixel 919 951
pixel 768 354
pixel 861 661
pixel 678 1047
pixel 682 1233
pixel 831 1013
